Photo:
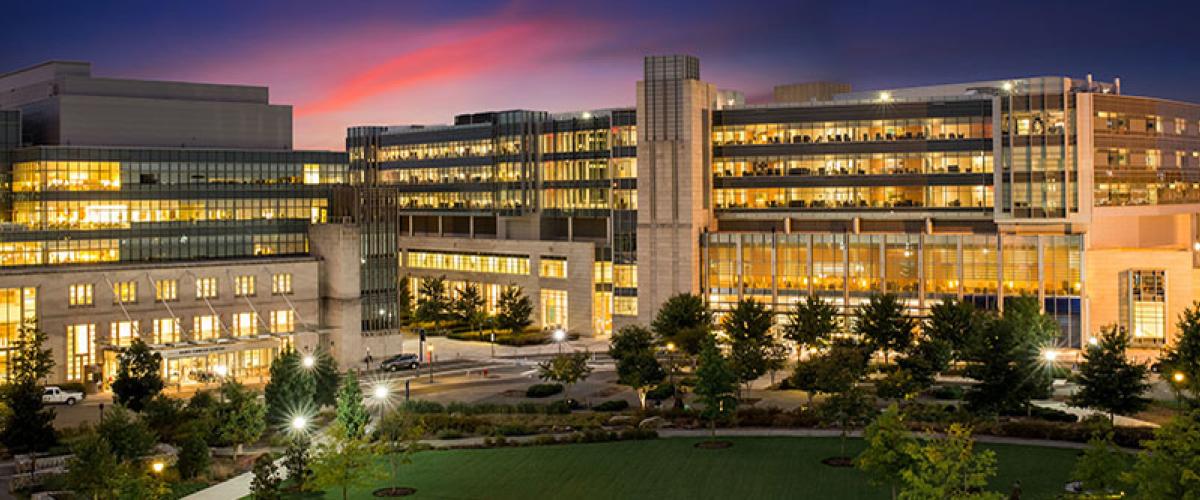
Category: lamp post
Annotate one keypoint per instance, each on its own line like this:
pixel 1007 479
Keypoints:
pixel 308 362
pixel 157 467
pixel 671 374
pixel 430 363
pixel 560 335
pixel 380 396
pixel 1179 378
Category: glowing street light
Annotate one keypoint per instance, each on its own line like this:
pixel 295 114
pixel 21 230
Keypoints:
pixel 1007 86
pixel 308 361
pixel 381 392
pixel 1178 377
pixel 559 336
pixel 885 96
pixel 221 370
pixel 157 467
pixel 1050 355
pixel 670 346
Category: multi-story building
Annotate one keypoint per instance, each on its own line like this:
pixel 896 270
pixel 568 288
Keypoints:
pixel 174 212
pixel 1058 188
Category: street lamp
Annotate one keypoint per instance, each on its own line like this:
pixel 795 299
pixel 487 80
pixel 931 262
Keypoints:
pixel 671 373
pixel 381 393
pixel 221 370
pixel 1050 355
pixel 559 336
pixel 430 363
pixel 299 423
pixel 308 361
pixel 157 467
pixel 1179 378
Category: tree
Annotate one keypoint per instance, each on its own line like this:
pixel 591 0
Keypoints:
pixel 1006 358
pixel 1184 356
pixel 139 376
pixel 886 458
pixel 90 466
pixel 684 320
pixel 29 425
pixel 918 369
pixel 194 457
pixel 343 462
pixel 748 326
pixel 1169 464
pixel 240 417
pixel 163 415
pixel 468 306
pixel 291 389
pixel 848 408
pixel 811 323
pixel 566 369
pixel 325 374
pixel 884 324
pixel 432 305
pixel 949 467
pixel 632 348
pixel 1108 380
pixel 296 462
pixel 514 310
pixel 400 445
pixel 351 412
pixel 837 370
pixel 404 300
pixel 137 484
pixel 954 322
pixel 265 484
pixel 1100 468
pixel 128 437
pixel 716 383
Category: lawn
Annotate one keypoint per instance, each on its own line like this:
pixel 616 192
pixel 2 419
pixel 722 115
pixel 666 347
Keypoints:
pixel 673 468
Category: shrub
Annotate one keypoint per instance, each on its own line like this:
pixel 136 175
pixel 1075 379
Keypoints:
pixel 1039 412
pixel 559 407
pixel 614 405
pixel 450 434
pixel 947 392
pixel 543 390
pixel 422 406
pixel 514 430
pixel 528 408
pixel 661 393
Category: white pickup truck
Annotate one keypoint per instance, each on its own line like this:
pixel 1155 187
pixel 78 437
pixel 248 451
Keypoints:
pixel 54 394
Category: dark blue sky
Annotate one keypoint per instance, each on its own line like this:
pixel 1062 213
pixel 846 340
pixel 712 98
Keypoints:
pixel 345 63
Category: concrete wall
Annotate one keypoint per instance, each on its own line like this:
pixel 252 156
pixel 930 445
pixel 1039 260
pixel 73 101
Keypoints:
pixel 1103 294
pixel 128 121
pixel 337 246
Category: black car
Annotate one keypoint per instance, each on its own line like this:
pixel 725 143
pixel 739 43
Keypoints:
pixel 401 362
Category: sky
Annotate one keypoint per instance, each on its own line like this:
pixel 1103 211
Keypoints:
pixel 345 63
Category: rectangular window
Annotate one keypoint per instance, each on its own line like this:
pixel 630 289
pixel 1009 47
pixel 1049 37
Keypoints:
pixel 625 275
pixel 625 306
pixel 206 327
pixel 243 286
pixel 125 292
pixel 166 290
pixel 1143 305
pixel 206 288
pixel 283 321
pixel 81 294
pixel 122 333
pixel 312 173
pixel 552 267
pixel 1180 125
pixel 245 324
pixel 166 330
pixel 554 308
pixel 281 283
pixel 81 350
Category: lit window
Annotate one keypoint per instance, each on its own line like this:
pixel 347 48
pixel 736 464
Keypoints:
pixel 125 292
pixel 122 333
pixel 245 324
pixel 625 306
pixel 206 327
pixel 206 288
pixel 165 290
pixel 81 349
pixel 166 330
pixel 281 283
pixel 552 267
pixel 1143 305
pixel 554 307
pixel 243 286
pixel 312 173
pixel 80 294
pixel 283 321
pixel 625 275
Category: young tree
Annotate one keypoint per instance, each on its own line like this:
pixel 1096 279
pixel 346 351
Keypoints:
pixel 291 388
pixel 129 438
pixel 566 369
pixel 343 462
pixel 884 324
pixel 29 425
pixel 139 376
pixel 919 367
pixel 684 320
pixel 886 458
pixel 1108 380
pixel 949 467
pixel 848 408
pixel 296 462
pixel 811 323
pixel 1006 358
pixel 325 374
pixel 194 457
pixel 135 481
pixel 748 326
pixel 467 308
pixel 265 484
pixel 514 310
pixel 716 384
pixel 1100 468
pixel 400 444
pixel 351 412
pixel 632 348
pixel 432 305
pixel 404 301
pixel 89 470
pixel 240 417
pixel 163 415
pixel 1169 464
pixel 1184 356
pixel 837 370
pixel 954 322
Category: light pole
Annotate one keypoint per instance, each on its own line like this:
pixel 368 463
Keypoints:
pixel 559 336
pixel 430 363
pixel 308 362
pixel 671 374
pixel 1179 378
pixel 380 395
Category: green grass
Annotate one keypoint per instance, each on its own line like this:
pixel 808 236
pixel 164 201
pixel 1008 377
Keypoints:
pixel 756 467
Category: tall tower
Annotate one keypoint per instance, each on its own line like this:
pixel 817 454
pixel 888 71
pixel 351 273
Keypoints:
pixel 674 122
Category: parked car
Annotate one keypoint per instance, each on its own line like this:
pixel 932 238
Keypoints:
pixel 52 394
pixel 401 362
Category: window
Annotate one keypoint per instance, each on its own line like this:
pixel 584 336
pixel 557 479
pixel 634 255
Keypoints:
pixel 1143 305
pixel 165 290
pixel 283 321
pixel 206 327
pixel 245 324
pixel 166 330
pixel 81 349
pixel 243 286
pixel 1180 125
pixel 1153 158
pixel 625 306
pixel 554 308
pixel 552 267
pixel 125 292
pixel 206 288
pixel 81 294
pixel 281 283
pixel 122 333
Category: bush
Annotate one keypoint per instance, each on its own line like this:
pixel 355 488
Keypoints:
pixel 421 406
pixel 947 392
pixel 559 407
pixel 543 390
pixel 661 393
pixel 450 434
pixel 514 430
pixel 1039 412
pixel 614 405
pixel 528 408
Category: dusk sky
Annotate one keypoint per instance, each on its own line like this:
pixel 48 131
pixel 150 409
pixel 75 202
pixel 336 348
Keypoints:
pixel 390 62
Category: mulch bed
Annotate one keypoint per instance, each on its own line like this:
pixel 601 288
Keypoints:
pixel 714 445
pixel 839 462
pixel 395 491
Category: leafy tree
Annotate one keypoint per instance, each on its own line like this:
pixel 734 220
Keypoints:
pixel 953 322
pixel 404 300
pixel 685 320
pixel 748 326
pixel 468 306
pixel 886 457
pixel 163 414
pixel 949 467
pixel 137 484
pixel 837 370
pixel 632 348
pixel 194 457
pixel 240 417
pixel 432 306
pixel 848 408
pixel 139 376
pixel 29 425
pixel 265 484
pixel 202 412
pixel 1108 380
pixel 128 437
pixel 325 374
pixel 1169 465
pixel 296 462
pixel 514 310
pixel 716 383
pixel 811 323
pixel 884 324
pixel 344 462
pixel 918 369
pixel 291 388
pixel 1100 468
pixel 401 446
pixel 1184 356
pixel 566 369
pixel 89 470
pixel 1006 358
pixel 351 412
